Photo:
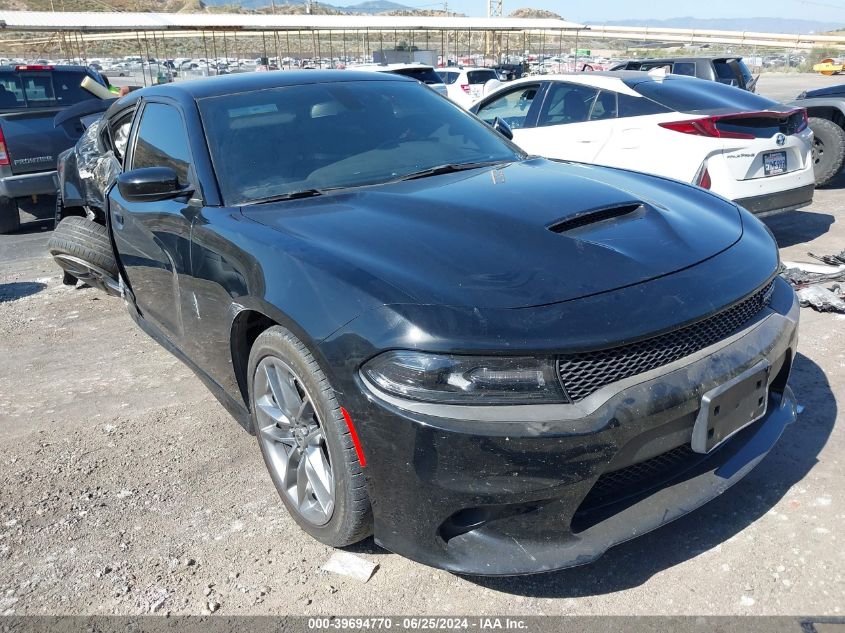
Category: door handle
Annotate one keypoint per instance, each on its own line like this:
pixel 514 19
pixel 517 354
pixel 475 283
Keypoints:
pixel 118 219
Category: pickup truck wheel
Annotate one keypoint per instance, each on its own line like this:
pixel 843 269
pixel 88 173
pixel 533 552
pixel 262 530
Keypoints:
pixel 83 239
pixel 828 149
pixel 305 440
pixel 10 216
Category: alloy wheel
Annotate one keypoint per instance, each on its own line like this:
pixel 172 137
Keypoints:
pixel 292 437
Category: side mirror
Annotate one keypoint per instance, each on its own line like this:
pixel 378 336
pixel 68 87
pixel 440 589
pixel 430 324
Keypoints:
pixel 149 184
pixel 502 128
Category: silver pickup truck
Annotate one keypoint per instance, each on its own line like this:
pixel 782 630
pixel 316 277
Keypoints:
pixel 30 141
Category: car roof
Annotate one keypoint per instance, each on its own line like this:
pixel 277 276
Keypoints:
pixel 618 80
pixel 669 60
pixel 247 82
pixel 52 67
pixel 386 68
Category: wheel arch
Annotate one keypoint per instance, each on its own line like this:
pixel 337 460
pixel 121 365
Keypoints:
pixel 830 112
pixel 248 323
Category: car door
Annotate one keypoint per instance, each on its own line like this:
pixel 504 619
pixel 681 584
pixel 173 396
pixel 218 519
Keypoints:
pixel 570 124
pixel 637 142
pixel 152 239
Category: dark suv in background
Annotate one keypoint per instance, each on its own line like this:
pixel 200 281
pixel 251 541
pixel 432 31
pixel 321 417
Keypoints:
pixel 727 70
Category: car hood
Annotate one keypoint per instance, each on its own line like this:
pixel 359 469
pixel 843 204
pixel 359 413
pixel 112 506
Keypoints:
pixel 830 91
pixel 530 233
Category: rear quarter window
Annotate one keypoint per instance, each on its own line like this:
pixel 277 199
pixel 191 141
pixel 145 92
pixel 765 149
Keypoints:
pixel 724 73
pixel 684 68
pixel 694 95
pixel 481 76
pixel 425 75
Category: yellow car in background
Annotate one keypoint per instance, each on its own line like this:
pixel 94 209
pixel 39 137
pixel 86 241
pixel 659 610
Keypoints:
pixel 830 66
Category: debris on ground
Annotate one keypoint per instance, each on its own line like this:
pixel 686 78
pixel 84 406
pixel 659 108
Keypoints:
pixel 822 299
pixel 830 260
pixel 808 279
pixel 347 564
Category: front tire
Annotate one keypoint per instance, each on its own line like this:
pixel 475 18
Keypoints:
pixel 304 440
pixel 828 149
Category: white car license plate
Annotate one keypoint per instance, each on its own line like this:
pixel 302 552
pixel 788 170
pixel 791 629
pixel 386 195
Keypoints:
pixel 774 163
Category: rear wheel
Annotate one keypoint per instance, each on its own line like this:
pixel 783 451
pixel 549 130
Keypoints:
pixel 305 442
pixel 10 216
pixel 84 239
pixel 828 149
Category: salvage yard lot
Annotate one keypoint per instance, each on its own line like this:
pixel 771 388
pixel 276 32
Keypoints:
pixel 126 488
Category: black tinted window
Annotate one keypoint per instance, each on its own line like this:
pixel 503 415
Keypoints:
pixel 162 141
pixel 604 107
pixel 691 95
pixel 684 68
pixel 425 75
pixel 567 103
pixel 724 73
pixel 447 78
pixel 41 89
pixel 481 76
pixel 638 106
pixel 271 143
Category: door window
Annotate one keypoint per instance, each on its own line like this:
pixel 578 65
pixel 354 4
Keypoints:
pixel 567 103
pixel 511 107
pixel 162 141
pixel 638 106
pixel 604 107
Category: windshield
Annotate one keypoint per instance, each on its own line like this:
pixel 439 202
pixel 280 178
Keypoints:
pixel 272 143
pixel 424 74
pixel 41 89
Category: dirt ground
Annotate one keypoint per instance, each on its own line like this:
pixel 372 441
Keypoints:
pixel 126 488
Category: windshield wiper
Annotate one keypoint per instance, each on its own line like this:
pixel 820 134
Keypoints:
pixel 292 195
pixel 449 168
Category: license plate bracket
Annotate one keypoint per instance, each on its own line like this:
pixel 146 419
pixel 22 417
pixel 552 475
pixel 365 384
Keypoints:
pixel 730 407
pixel 774 163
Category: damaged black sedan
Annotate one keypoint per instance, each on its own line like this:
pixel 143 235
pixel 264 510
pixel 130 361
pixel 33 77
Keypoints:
pixel 495 363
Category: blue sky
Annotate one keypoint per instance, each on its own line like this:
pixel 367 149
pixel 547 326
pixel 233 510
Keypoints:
pixel 596 10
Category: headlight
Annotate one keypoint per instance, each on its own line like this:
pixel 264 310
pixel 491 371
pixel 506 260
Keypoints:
pixel 465 379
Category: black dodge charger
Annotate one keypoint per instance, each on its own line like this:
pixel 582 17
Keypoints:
pixel 495 363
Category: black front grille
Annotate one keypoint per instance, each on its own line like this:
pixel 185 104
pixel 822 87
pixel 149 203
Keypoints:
pixel 585 372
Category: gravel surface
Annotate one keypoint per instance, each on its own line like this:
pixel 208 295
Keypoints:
pixel 126 488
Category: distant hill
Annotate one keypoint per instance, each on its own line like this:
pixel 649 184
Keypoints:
pixel 762 25
pixel 534 13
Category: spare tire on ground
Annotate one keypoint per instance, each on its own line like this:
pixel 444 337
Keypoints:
pixel 83 249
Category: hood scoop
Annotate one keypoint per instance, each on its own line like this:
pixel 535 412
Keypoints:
pixel 593 216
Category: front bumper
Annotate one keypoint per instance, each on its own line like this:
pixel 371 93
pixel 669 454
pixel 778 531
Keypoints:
pixel 507 490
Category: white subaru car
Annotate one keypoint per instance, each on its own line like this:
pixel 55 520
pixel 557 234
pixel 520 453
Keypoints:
pixel 740 145
pixel 466 85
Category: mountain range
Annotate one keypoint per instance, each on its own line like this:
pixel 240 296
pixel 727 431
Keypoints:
pixel 761 25
pixel 368 6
